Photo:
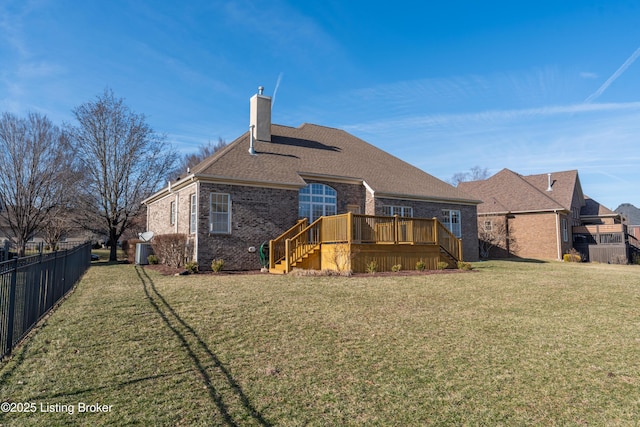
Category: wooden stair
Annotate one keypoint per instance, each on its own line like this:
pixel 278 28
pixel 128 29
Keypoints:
pixel 309 252
pixel 448 258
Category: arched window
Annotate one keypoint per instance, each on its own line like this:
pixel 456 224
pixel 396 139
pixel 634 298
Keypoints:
pixel 316 200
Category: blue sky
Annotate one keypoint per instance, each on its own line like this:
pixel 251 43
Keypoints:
pixel 533 86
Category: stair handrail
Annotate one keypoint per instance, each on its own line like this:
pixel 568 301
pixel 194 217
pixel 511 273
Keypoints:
pixel 451 244
pixel 302 243
pixel 277 249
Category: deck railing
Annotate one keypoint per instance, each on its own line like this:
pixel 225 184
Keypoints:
pixel 601 234
pixel 362 229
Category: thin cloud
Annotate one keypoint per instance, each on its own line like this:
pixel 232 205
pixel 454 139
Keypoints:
pixel 588 75
pixel 489 116
pixel 615 75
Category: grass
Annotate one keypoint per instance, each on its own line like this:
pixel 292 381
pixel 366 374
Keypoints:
pixel 509 344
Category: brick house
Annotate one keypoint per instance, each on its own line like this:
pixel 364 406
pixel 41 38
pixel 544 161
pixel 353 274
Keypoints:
pixel 545 216
pixel 261 184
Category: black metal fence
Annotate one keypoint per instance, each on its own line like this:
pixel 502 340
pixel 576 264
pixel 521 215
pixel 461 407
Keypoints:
pixel 32 285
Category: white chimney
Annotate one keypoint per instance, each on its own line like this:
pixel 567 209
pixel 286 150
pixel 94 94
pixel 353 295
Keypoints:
pixel 549 187
pixel 260 116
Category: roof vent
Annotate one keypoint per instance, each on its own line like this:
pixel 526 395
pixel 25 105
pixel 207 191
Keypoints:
pixel 549 187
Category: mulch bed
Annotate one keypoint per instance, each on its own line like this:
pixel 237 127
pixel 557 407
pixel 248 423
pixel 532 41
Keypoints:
pixel 165 270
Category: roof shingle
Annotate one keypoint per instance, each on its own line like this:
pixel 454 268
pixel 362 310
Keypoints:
pixel 317 150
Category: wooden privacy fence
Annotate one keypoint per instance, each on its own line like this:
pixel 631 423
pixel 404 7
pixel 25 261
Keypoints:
pixel 31 286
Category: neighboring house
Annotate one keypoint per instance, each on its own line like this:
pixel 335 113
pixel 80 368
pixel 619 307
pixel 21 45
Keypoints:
pixel 545 216
pixel 264 182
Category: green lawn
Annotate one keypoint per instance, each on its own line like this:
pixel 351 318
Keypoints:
pixel 511 343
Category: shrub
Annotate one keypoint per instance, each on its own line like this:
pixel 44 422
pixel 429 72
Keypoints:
pixel 171 249
pixel 153 259
pixel 191 267
pixel 464 266
pixel 618 259
pixel 572 256
pixel 396 268
pixel 372 266
pixel 421 265
pixel 443 265
pixel 217 265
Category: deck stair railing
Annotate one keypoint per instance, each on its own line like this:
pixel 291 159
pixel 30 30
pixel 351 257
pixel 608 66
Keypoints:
pixel 277 249
pixel 307 240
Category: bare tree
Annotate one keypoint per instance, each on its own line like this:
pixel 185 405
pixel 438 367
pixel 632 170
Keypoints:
pixel 476 173
pixel 494 232
pixel 37 174
pixel 124 159
pixel 204 151
pixel 57 225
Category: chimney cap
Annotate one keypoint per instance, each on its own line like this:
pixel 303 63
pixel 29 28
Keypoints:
pixel 260 90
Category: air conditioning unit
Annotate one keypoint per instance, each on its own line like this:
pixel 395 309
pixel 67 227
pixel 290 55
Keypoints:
pixel 143 250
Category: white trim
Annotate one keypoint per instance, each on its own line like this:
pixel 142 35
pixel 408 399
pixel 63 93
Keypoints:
pixel 229 207
pixel 369 189
pixel 196 240
pixel 427 199
pixel 164 193
pixel 251 183
pixel 330 178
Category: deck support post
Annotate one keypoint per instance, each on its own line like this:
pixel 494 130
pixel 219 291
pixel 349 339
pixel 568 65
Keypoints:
pixel 287 255
pixel 395 229
pixel 272 263
pixel 435 231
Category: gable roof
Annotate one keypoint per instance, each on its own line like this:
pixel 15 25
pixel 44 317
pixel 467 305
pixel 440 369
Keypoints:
pixel 563 184
pixel 595 209
pixel 508 191
pixel 311 151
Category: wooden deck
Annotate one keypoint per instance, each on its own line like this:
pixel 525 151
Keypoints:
pixel 349 242
pixel 605 243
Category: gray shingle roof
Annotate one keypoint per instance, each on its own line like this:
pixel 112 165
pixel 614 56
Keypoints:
pixel 595 209
pixel 508 191
pixel 312 150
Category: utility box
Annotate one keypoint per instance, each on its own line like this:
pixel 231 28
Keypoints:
pixel 143 250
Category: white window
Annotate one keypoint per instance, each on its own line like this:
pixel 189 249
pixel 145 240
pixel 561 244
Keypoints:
pixel 406 211
pixel 172 213
pixel 316 200
pixel 220 213
pixel 193 214
pixel 452 220
pixel 565 230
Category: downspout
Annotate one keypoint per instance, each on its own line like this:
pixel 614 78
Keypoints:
pixel 195 240
pixel 175 226
pixel 508 238
pixel 558 243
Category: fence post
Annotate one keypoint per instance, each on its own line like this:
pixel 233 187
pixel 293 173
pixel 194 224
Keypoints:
pixel 12 307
